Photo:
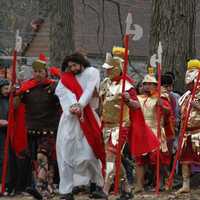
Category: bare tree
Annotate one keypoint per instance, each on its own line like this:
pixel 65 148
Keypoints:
pixel 173 23
pixel 61 30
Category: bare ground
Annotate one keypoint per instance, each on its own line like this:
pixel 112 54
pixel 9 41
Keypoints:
pixel 194 195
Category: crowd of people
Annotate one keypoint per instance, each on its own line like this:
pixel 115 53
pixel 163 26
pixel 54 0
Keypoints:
pixel 69 130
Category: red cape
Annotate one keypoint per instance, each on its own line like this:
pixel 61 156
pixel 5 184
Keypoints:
pixel 55 71
pixel 90 126
pixel 169 119
pixel 27 85
pixel 19 135
pixel 141 138
pixel 19 139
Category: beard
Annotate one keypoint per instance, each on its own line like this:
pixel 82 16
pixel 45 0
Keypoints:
pixel 77 72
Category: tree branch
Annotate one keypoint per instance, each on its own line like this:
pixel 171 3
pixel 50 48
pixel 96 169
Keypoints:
pixel 99 22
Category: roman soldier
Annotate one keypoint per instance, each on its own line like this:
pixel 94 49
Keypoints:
pixel 149 102
pixel 190 153
pixel 133 125
pixel 41 121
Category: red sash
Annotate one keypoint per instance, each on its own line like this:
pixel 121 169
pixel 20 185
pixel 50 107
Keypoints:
pixel 89 125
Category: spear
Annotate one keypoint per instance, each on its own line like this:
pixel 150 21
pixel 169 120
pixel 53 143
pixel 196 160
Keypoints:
pixel 138 32
pixel 183 131
pixel 156 60
pixel 10 128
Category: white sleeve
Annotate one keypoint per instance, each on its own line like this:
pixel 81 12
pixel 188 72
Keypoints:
pixel 93 80
pixel 66 97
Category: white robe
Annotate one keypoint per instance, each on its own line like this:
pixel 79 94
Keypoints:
pixel 76 161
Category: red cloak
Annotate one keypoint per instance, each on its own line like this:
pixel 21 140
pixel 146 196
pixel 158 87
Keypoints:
pixel 27 85
pixel 169 119
pixel 141 138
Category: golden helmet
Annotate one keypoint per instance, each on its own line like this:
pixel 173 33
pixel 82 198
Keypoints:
pixel 193 64
pixel 118 52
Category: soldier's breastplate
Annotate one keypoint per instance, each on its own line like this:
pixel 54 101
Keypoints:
pixel 111 111
pixel 194 117
pixel 148 108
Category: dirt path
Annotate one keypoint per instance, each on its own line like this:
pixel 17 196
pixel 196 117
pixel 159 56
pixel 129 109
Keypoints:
pixel 194 195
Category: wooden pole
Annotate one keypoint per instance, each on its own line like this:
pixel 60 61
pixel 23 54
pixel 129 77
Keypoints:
pixel 10 127
pixel 158 131
pixel 118 156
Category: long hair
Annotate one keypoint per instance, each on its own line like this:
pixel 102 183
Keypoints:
pixel 76 58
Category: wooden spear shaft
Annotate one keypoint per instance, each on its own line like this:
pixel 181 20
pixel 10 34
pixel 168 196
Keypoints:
pixel 10 125
pixel 158 132
pixel 118 156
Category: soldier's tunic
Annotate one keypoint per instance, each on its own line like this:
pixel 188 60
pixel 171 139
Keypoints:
pixel 149 106
pixel 111 95
pixel 191 143
pixel 42 118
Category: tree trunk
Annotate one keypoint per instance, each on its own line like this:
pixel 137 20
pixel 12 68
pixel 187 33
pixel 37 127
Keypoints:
pixel 61 30
pixel 173 23
pixel 43 8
